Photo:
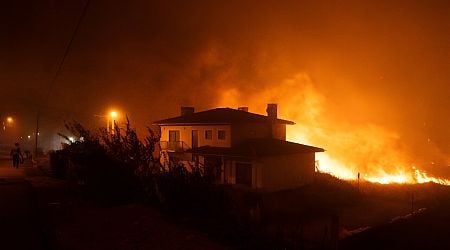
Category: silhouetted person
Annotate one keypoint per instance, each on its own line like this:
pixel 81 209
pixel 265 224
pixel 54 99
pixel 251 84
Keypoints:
pixel 16 155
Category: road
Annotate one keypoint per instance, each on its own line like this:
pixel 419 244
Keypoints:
pixel 19 221
pixel 80 225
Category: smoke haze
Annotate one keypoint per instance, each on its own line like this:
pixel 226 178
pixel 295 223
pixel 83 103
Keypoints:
pixel 372 72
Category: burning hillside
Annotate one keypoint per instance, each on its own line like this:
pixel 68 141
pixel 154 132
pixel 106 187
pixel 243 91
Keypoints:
pixel 368 149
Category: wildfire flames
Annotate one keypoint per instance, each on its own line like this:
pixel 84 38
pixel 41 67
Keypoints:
pixel 366 149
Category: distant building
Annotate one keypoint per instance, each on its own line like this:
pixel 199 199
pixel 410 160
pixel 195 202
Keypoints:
pixel 239 147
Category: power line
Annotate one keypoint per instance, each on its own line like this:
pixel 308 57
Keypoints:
pixel 66 52
pixel 58 70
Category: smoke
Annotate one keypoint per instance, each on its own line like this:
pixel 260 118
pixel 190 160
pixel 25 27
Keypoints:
pixel 367 81
pixel 366 148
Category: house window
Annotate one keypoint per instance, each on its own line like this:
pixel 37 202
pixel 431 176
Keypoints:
pixel 174 135
pixel 174 140
pixel 221 134
pixel 208 134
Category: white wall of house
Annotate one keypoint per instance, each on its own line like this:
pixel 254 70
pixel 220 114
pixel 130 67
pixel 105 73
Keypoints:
pixel 186 134
pixel 285 171
pixel 275 172
pixel 242 132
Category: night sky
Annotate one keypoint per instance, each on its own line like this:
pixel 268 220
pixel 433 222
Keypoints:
pixel 380 62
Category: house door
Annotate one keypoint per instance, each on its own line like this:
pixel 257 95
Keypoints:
pixel 244 174
pixel 213 168
pixel 194 138
pixel 174 139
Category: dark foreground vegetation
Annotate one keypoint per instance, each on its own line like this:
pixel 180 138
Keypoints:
pixel 124 177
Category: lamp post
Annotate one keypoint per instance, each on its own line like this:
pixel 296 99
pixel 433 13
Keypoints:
pixel 7 128
pixel 7 122
pixel 113 116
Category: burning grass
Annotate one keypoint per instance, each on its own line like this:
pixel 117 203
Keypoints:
pixel 353 145
pixel 315 215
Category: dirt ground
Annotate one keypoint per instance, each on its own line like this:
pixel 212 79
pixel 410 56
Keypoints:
pixel 75 224
pixel 61 219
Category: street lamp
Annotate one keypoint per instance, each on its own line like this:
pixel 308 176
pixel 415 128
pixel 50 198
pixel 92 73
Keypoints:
pixel 111 118
pixel 113 115
pixel 9 122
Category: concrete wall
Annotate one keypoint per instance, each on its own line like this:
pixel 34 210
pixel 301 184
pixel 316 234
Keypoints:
pixel 186 135
pixel 285 171
pixel 279 131
pixel 235 134
pixel 275 172
pixel 242 132
pixel 272 173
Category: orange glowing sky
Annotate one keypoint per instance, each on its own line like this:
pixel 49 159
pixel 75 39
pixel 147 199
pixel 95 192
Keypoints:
pixel 372 76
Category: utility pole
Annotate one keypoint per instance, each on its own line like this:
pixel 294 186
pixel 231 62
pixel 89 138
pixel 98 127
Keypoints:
pixel 358 181
pixel 58 71
pixel 36 136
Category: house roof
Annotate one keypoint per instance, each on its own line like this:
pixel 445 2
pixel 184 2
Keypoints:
pixel 257 148
pixel 220 116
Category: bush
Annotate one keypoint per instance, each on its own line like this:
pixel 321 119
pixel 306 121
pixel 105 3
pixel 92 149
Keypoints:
pixel 58 164
pixel 105 171
pixel 187 192
pixel 118 168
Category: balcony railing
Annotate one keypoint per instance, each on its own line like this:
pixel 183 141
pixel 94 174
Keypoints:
pixel 174 146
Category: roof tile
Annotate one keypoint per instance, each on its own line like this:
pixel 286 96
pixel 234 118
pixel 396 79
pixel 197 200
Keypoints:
pixel 257 148
pixel 220 116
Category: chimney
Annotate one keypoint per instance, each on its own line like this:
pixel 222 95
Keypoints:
pixel 272 110
pixel 187 110
pixel 245 109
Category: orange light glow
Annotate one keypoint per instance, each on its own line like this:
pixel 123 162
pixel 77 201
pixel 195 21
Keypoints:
pixel 113 114
pixel 373 151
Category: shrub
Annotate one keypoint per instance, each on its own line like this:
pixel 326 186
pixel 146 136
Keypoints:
pixel 58 164
pixel 103 170
pixel 118 168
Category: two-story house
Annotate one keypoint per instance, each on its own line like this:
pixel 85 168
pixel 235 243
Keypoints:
pixel 239 147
